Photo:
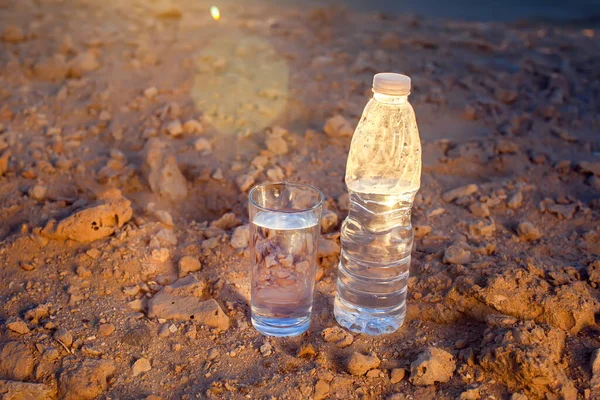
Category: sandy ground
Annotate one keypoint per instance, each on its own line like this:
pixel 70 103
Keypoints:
pixel 129 140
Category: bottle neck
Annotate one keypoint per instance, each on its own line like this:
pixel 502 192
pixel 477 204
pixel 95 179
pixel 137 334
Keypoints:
pixel 387 99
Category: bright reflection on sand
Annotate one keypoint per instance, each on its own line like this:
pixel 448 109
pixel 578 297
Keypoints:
pixel 240 83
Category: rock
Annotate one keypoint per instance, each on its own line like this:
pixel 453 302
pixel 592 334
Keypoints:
pixel 240 237
pixel 16 361
pixel 433 365
pixel 106 329
pixel 266 349
pixel 457 255
pixel 563 134
pixel 151 92
pixel 244 182
pixel 375 373
pixel 83 63
pixel 85 380
pixel 526 296
pixel 227 221
pixel 193 126
pixel 338 126
pixel 180 301
pixel 329 220
pixel 277 144
pixel 563 211
pixel 528 357
pixel 166 237
pixel 505 95
pixel 528 232
pixel 471 394
pixel 358 364
pixel 480 210
pixel 343 202
pixel 588 167
pixel 63 336
pixel 174 128
pixel 422 230
pixel 13 34
pixel 38 192
pixel 328 248
pixel 397 375
pixel 111 212
pixel 140 366
pixel 52 69
pixel 212 354
pixel 188 264
pixel 164 217
pixel 17 325
pixel 14 390
pixel 203 145
pixel 321 390
pixel 307 351
pixel 462 191
pixel 482 229
pixel 337 335
pixel 515 201
pixel 161 170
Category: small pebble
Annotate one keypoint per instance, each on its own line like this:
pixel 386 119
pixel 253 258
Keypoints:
pixel 397 375
pixel 188 264
pixel 106 329
pixel 151 92
pixel 528 232
pixel 457 255
pixel 140 366
pixel 203 145
pixel 17 325
pixel 174 128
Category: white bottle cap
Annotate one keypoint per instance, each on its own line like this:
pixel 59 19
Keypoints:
pixel 391 84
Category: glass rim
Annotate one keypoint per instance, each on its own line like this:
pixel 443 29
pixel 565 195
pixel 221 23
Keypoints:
pixel 295 184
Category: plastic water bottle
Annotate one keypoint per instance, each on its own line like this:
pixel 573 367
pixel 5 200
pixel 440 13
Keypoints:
pixel 383 174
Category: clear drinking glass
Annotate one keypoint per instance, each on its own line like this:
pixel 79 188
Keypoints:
pixel 285 220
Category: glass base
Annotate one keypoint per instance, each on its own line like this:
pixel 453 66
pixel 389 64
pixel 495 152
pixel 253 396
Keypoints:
pixel 371 321
pixel 281 327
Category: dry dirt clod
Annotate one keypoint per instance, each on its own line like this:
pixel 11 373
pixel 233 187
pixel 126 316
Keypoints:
pixel 151 92
pixel 321 390
pixel 462 191
pixel 358 364
pixel 106 329
pixel 515 201
pixel 15 390
pixel 266 349
pixel 397 375
pixel 457 255
pixel 329 220
pixel 328 248
pixel 174 128
pixel 595 381
pixel 64 337
pixel 337 335
pixel 527 357
pixel 140 366
pixel 422 230
pixel 193 126
pixel 480 210
pixel 180 301
pixel 51 69
pixel 203 145
pixel 227 221
pixel 38 192
pixel 161 170
pixel 528 232
pixel 277 144
pixel 17 325
pixel 307 351
pixel 13 34
pixel 188 264
pixel 16 361
pixel 433 365
pixel 338 126
pixel 83 63
pixel 240 237
pixel 93 223
pixel 85 380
